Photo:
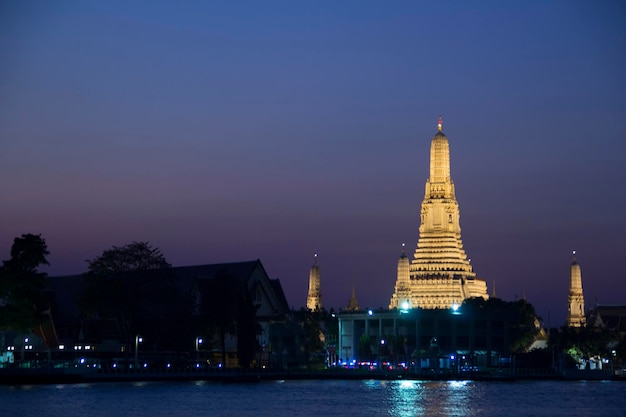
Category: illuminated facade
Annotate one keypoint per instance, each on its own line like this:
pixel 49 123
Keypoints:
pixel 576 301
pixel 439 275
pixel 314 298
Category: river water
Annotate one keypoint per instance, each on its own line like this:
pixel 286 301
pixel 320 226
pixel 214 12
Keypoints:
pixel 319 398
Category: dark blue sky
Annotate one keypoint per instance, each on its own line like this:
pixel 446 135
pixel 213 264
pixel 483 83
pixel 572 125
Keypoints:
pixel 227 131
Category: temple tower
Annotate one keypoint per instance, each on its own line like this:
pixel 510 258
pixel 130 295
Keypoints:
pixel 402 293
pixel 440 275
pixel 314 298
pixel 353 304
pixel 576 300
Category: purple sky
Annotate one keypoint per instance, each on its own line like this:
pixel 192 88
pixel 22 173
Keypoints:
pixel 228 131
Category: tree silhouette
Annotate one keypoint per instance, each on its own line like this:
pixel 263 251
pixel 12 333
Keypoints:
pixel 365 348
pixel 219 307
pixel 576 343
pixel 248 328
pixel 21 287
pixel 136 256
pixel 521 316
pixel 130 284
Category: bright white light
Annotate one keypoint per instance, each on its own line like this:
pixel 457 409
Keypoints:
pixel 370 312
pixel 200 341
pixel 26 340
pixel 455 307
pixel 115 365
pixel 405 305
pixel 140 340
pixel 408 384
pixel 82 360
pixel 61 347
pixel 382 341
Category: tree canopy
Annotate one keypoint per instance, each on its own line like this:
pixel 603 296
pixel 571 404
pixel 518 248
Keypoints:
pixel 136 256
pixel 248 328
pixel 131 284
pixel 22 299
pixel 523 320
pixel 578 343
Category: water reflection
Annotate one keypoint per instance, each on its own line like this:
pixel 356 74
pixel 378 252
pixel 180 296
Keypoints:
pixel 406 399
pixel 324 398
pixel 374 383
pixel 458 398
pixel 430 398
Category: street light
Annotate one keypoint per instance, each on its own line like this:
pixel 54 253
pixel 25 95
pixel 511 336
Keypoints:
pixel 138 339
pixel 614 354
pixel 24 346
pixel 199 341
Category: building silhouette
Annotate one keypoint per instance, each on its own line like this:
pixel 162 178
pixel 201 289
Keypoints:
pixel 173 320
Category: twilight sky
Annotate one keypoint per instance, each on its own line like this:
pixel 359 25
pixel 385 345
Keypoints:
pixel 229 131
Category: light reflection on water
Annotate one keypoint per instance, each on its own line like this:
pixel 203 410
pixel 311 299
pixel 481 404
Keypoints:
pixel 406 400
pixel 416 398
pixel 320 398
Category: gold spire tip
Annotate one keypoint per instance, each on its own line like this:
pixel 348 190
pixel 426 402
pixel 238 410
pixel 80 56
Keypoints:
pixel 440 123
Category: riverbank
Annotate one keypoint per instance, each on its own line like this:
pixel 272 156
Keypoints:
pixel 33 376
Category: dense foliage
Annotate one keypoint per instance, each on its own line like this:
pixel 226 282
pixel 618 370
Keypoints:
pixel 521 315
pixel 574 344
pixel 22 301
pixel 318 331
pixel 133 285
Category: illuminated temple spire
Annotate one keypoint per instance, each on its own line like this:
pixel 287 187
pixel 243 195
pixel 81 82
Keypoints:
pixel 576 300
pixel 353 304
pixel 314 298
pixel 440 275
pixel 402 293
